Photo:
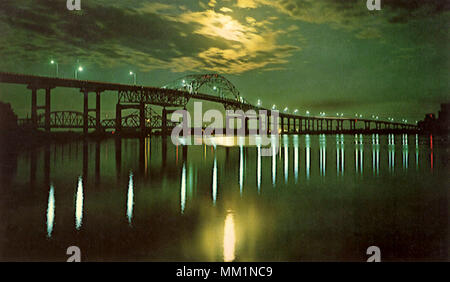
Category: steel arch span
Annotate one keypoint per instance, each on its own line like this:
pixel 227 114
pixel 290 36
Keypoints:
pixel 214 82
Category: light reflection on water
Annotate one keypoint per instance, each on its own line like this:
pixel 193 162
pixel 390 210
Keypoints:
pixel 130 198
pixel 79 204
pixel 50 211
pixel 312 194
pixel 229 238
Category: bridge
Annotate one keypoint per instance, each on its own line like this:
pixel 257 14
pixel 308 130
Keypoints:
pixel 175 95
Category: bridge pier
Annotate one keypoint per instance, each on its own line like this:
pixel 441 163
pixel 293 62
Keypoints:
pixel 85 111
pixel 47 109
pixel 118 118
pixel 98 123
pixel 164 122
pixel 34 107
pixel 320 124
pixel 352 125
pixel 142 118
pixel 339 125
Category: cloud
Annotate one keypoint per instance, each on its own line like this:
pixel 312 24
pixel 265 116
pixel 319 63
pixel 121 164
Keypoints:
pixel 252 45
pixel 247 3
pixel 353 15
pixel 226 10
pixel 149 36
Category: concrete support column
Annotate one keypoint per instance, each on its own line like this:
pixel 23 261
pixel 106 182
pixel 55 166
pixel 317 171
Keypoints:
pixel 98 124
pixel 34 107
pixel 164 122
pixel 47 109
pixel 85 111
pixel 142 118
pixel 118 117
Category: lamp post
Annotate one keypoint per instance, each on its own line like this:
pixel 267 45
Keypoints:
pixel 53 62
pixel 134 76
pixel 78 69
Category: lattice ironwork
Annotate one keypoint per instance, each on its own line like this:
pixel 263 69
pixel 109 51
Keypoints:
pixel 66 119
pixel 154 96
pixel 153 120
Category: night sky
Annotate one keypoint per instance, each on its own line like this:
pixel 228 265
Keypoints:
pixel 317 55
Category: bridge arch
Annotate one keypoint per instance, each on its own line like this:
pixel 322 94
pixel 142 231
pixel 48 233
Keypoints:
pixel 216 83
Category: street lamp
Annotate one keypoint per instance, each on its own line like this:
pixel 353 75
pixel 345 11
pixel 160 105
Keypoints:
pixel 274 107
pixel 53 62
pixel 295 111
pixel 134 76
pixel 77 70
pixel 259 102
pixel 286 109
pixel 307 112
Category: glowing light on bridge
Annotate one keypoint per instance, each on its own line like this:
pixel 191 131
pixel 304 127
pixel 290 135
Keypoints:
pixel 53 62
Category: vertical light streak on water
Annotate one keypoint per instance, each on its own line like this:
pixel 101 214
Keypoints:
pixel 259 170
pixel 79 204
pixel 323 157
pixel 342 154
pixel 391 151
pixel 373 155
pixel 405 152
pixel 417 151
pixel 147 155
pixel 214 182
pixel 296 158
pixel 356 158
pixel 50 211
pixel 183 189
pixel 191 181
pixel 274 164
pixel 241 169
pixel 286 163
pixel 361 153
pixel 337 155
pixel 308 153
pixel 229 238
pixel 130 198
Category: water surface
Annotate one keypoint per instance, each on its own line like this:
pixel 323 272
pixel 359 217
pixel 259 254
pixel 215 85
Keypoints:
pixel 320 198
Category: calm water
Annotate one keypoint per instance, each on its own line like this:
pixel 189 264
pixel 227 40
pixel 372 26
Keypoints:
pixel 321 198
